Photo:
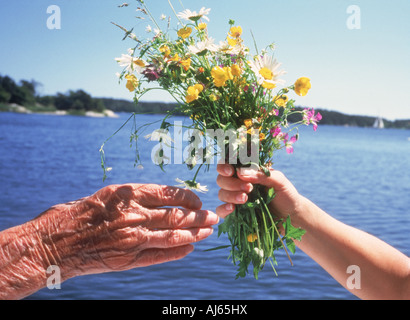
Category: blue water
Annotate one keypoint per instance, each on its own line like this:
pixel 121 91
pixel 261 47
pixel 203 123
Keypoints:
pixel 360 176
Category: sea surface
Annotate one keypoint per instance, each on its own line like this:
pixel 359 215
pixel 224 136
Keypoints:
pixel 360 176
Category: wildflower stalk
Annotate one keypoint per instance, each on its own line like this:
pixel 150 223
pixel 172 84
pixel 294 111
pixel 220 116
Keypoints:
pixel 150 15
pixel 173 10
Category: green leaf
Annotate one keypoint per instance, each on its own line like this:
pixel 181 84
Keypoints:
pixel 291 245
pixel 291 232
pixel 271 195
pixel 217 248
pixel 250 204
pixel 265 171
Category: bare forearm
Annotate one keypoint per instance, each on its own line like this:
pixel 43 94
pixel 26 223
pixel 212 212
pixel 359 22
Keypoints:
pixel 383 271
pixel 27 251
pixel 22 270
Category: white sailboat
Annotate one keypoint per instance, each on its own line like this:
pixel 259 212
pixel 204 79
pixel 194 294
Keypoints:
pixel 378 123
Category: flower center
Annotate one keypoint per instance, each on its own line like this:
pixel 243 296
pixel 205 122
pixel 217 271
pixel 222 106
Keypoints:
pixel 266 73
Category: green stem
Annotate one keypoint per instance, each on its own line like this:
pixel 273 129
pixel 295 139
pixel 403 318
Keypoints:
pixel 150 15
pixel 196 174
pixel 277 231
pixel 170 4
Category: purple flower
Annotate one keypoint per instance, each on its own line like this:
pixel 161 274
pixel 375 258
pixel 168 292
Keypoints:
pixel 289 143
pixel 151 73
pixel 309 117
pixel 275 131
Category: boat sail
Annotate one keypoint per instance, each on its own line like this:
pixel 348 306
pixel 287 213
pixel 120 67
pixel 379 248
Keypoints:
pixel 378 123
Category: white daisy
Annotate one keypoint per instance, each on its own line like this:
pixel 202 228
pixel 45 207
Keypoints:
pixel 259 252
pixel 191 185
pixel 131 63
pixel 163 17
pixel 193 15
pixel 267 71
pixel 226 48
pixel 161 135
pixel 203 46
pixel 148 29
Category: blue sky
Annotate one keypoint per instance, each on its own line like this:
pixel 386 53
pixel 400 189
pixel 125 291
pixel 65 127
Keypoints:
pixel 361 71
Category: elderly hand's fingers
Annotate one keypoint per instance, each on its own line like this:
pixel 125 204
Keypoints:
pixel 225 169
pixel 175 218
pixel 150 257
pixel 176 237
pixel 235 197
pixel 233 184
pixel 154 196
pixel 224 210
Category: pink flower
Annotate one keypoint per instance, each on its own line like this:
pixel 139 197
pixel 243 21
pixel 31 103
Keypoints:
pixel 289 143
pixel 309 117
pixel 275 131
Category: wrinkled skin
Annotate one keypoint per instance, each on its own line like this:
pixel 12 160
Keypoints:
pixel 118 228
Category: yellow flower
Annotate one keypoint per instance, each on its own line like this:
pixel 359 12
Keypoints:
pixel 132 82
pixel 248 123
pixel 252 237
pixel 281 100
pixel 228 73
pixel 236 70
pixel 261 136
pixel 175 58
pixel 213 97
pixel 232 42
pixel 235 32
pixel 221 75
pixel 202 26
pixel 186 63
pixel 302 86
pixel 184 32
pixel 193 92
pixel 165 50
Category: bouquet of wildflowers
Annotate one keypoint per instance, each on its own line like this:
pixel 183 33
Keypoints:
pixel 234 98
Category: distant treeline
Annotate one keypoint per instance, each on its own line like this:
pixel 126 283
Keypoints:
pixel 329 117
pixel 24 93
pixel 341 119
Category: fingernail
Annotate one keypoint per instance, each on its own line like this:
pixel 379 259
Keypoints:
pixel 228 170
pixel 229 207
pixel 241 197
pixel 214 218
pixel 247 187
pixel 248 172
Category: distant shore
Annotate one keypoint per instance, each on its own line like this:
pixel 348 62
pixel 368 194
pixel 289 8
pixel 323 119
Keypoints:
pixel 115 106
pixel 21 109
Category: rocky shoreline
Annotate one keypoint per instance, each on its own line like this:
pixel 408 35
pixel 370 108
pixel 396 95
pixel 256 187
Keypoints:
pixel 20 109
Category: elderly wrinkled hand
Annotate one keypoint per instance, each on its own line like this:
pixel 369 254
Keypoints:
pixel 118 228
